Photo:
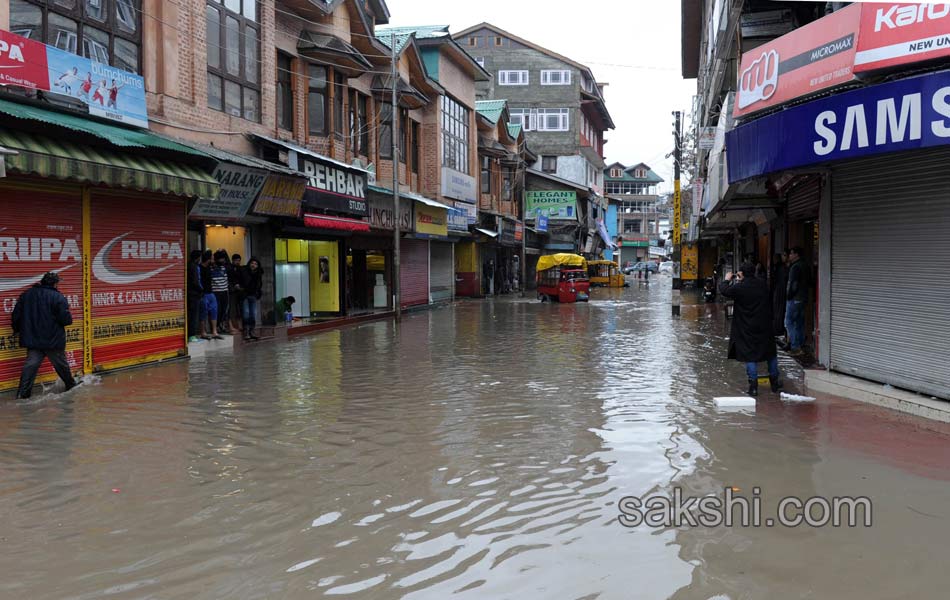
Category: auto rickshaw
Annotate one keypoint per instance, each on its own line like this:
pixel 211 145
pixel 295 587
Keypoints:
pixel 605 273
pixel 563 278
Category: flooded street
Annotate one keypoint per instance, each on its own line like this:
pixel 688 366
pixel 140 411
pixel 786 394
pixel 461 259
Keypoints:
pixel 478 451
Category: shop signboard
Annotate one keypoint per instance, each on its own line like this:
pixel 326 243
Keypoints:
pixel 381 213
pixel 459 186
pixel 458 220
pixel 281 196
pixel 895 34
pixel 507 232
pixel 707 138
pixel 138 276
pixel 541 223
pixel 519 231
pixel 690 262
pixel 331 185
pixel 430 222
pixel 470 210
pixel 239 187
pixel 810 59
pixel 107 92
pixel 907 114
pixel 554 204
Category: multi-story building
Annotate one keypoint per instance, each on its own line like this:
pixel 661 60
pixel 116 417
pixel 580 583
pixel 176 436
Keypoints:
pixel 826 155
pixel 634 191
pixel 560 106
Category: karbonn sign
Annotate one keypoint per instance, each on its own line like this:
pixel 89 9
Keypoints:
pixel 332 186
pixel 902 115
pixel 899 34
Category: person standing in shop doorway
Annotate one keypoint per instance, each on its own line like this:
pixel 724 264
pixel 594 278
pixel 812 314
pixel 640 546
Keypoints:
pixel 220 285
pixel 234 291
pixel 208 307
pixel 194 294
pixel 40 318
pixel 778 281
pixel 750 339
pixel 796 299
pixel 251 286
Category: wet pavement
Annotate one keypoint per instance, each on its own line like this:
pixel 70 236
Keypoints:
pixel 480 451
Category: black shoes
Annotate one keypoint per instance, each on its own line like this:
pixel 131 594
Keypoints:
pixel 753 387
pixel 776 383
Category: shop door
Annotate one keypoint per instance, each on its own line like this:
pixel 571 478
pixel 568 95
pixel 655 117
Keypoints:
pixel 138 278
pixel 890 314
pixel 442 272
pixel 40 231
pixel 414 272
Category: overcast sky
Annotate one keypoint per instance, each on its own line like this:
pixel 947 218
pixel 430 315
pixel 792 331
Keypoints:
pixel 634 45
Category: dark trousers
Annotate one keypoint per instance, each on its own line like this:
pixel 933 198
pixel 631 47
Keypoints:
pixel 224 309
pixel 193 302
pixel 34 358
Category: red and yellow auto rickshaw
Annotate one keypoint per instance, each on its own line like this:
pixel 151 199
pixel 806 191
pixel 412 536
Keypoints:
pixel 563 278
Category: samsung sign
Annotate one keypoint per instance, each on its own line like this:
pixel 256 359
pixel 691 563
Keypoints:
pixel 902 115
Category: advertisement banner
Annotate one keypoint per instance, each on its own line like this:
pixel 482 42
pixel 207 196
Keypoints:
pixel 138 278
pixel 37 236
pixel 459 185
pixel 331 185
pixel 554 204
pixel 458 220
pixel 106 91
pixel 810 59
pixel 541 223
pixel 519 231
pixel 900 34
pixel 281 196
pixel 239 187
pixel 689 261
pixel 381 213
pixel 907 114
pixel 430 221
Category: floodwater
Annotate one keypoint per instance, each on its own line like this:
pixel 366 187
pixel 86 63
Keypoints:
pixel 477 451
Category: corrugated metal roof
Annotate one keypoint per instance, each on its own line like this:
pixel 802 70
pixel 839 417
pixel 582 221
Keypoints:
pixel 403 34
pixel 491 109
pixel 514 130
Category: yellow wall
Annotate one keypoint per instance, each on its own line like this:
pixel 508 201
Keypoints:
pixel 232 239
pixel 324 297
pixel 466 257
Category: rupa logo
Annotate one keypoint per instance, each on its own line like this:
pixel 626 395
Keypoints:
pixel 105 271
pixel 12 52
pixel 902 15
pixel 35 249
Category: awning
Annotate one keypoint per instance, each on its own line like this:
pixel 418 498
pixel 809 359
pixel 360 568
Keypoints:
pixel 491 234
pixel 60 159
pixel 335 223
pixel 333 51
pixel 410 196
pixel 408 95
pixel 292 147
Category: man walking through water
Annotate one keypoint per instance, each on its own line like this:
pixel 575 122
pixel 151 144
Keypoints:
pixel 750 339
pixel 40 319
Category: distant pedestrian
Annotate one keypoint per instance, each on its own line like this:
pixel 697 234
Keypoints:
pixel 195 293
pixel 796 293
pixel 750 339
pixel 778 282
pixel 221 285
pixel 40 318
pixel 251 286
pixel 234 291
pixel 285 308
pixel 208 307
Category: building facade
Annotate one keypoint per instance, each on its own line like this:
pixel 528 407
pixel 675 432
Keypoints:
pixel 633 190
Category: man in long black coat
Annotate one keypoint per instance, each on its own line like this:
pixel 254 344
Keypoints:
pixel 751 339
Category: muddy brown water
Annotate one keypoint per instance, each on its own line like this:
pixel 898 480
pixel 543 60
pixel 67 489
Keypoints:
pixel 477 451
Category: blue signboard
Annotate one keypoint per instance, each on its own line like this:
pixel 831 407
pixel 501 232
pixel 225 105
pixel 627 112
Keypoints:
pixel 902 115
pixel 458 219
pixel 541 223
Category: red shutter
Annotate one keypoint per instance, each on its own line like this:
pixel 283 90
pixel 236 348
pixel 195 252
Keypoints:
pixel 138 279
pixel 40 231
pixel 414 272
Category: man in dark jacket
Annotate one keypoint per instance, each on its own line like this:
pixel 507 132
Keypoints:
pixel 195 292
pixel 40 319
pixel 751 340
pixel 779 285
pixel 251 287
pixel 796 300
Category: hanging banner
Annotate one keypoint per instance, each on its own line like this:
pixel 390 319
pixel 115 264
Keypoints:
pixel 555 204
pixel 281 196
pixel 239 187
pixel 105 91
pixel 689 261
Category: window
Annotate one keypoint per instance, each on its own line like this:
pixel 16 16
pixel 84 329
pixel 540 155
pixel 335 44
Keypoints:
pixel 385 130
pixel 316 100
pixel 455 135
pixel 359 127
pixel 523 117
pixel 415 147
pixel 339 117
pixel 233 53
pixel 555 77
pixel 481 61
pixel 285 92
pixel 403 135
pixel 499 40
pixel 512 78
pixel 640 173
pixel 472 41
pixel 553 119
pixel 106 31
pixel 616 173
pixel 506 186
pixel 486 175
pixel 549 164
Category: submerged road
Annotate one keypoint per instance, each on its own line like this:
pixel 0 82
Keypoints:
pixel 476 451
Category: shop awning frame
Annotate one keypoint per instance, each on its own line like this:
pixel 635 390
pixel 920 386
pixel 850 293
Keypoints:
pixel 410 196
pixel 316 221
pixel 489 233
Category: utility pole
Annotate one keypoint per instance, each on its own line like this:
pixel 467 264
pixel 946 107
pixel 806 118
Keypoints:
pixel 677 211
pixel 394 115
pixel 523 176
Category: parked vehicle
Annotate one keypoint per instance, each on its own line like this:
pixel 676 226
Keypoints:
pixel 563 278
pixel 641 266
pixel 605 273
pixel 667 267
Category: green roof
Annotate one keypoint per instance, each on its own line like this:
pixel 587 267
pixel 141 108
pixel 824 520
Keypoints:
pixel 403 34
pixel 651 177
pixel 491 109
pixel 514 130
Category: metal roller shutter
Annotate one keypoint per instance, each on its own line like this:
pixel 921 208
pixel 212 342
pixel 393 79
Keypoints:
pixel 414 272
pixel 40 231
pixel 890 298
pixel 804 199
pixel 138 279
pixel 442 272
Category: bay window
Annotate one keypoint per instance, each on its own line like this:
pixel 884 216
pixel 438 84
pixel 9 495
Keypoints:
pixel 233 52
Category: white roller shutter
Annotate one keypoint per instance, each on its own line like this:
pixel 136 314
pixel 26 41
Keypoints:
pixel 890 292
pixel 442 272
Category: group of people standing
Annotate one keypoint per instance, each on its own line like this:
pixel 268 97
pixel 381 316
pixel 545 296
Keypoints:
pixel 223 295
pixel 763 312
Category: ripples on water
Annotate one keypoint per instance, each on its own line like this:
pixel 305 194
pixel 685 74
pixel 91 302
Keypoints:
pixel 479 452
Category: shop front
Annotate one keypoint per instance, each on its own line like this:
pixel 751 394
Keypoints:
pixel 109 216
pixel 431 223
pixel 370 255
